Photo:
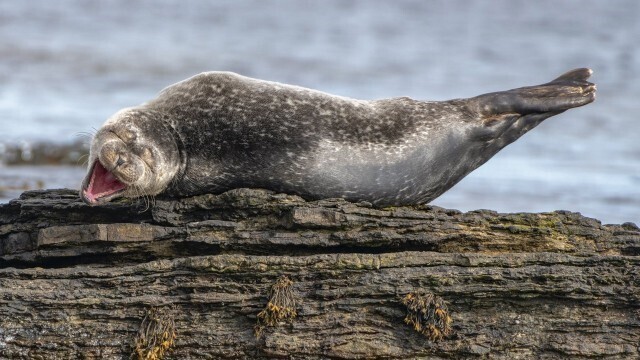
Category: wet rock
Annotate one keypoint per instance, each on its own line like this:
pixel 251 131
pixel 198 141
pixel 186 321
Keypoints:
pixel 77 281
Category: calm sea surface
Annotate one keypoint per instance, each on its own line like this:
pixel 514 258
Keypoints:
pixel 65 66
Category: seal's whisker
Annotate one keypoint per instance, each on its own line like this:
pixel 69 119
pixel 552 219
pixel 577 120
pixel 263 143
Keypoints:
pixel 146 198
pixel 85 134
pixel 83 160
pixel 139 194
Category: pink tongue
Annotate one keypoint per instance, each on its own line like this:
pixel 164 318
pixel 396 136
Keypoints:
pixel 102 183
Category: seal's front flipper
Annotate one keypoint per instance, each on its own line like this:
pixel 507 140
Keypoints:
pixel 567 91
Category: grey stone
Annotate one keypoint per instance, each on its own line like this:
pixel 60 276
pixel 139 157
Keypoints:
pixel 75 281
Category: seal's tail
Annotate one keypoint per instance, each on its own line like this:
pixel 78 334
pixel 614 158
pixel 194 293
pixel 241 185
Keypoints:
pixel 569 90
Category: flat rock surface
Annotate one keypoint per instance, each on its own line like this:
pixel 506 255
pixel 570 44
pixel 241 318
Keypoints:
pixel 76 281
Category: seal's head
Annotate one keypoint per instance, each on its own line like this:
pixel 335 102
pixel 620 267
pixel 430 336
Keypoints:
pixel 133 154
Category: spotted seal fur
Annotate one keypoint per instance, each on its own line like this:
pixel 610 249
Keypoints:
pixel 218 131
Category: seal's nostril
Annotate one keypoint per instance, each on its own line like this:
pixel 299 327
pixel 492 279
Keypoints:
pixel 119 162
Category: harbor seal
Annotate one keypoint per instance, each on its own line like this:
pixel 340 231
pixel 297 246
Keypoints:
pixel 218 130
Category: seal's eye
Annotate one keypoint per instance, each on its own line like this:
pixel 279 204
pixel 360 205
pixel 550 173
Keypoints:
pixel 127 136
pixel 146 153
pixel 147 156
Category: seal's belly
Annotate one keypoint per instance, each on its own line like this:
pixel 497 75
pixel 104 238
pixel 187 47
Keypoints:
pixel 372 172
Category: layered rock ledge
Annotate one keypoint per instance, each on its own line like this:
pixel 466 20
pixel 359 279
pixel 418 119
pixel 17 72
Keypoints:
pixel 77 281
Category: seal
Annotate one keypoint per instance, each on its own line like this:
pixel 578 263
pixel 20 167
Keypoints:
pixel 218 130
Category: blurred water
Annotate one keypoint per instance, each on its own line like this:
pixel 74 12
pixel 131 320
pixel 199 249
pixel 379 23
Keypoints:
pixel 67 65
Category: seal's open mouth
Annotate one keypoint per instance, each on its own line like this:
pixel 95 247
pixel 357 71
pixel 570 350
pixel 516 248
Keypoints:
pixel 102 186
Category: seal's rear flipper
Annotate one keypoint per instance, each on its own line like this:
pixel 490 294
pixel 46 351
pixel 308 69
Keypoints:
pixel 565 92
pixel 581 74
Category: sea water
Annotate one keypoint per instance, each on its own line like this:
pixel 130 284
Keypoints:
pixel 67 65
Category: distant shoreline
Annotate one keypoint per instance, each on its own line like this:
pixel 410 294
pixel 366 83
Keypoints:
pixel 43 153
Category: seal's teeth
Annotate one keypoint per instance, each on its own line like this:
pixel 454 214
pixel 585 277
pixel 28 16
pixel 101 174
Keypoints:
pixel 88 197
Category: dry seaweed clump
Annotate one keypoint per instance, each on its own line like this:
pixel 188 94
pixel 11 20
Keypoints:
pixel 428 315
pixel 281 305
pixel 156 335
